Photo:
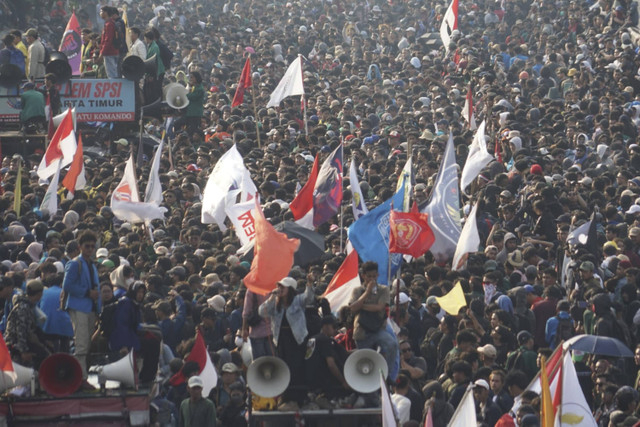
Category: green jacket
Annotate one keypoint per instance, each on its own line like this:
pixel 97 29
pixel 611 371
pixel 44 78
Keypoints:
pixel 153 49
pixel 524 360
pixel 199 414
pixel 196 102
pixel 32 103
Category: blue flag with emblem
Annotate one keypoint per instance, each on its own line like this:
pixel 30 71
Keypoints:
pixel 370 237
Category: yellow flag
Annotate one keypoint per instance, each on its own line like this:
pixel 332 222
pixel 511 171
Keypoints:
pixel 453 301
pixel 546 412
pixel 17 194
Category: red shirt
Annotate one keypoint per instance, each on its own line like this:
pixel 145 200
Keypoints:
pixel 108 37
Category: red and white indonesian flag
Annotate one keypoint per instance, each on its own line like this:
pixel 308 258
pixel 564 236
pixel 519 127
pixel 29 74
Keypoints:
pixel 477 158
pixel 468 243
pixel 7 372
pixel 227 176
pixel 570 404
pixel 449 23
pixel 467 110
pixel 345 280
pixel 125 200
pixel 207 373
pixel 61 149
pixel 290 84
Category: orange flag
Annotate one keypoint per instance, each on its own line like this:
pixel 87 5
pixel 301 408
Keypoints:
pixel 272 256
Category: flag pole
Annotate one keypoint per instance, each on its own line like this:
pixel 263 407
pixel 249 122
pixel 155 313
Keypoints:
pixel 255 112
pixel 304 101
pixel 341 222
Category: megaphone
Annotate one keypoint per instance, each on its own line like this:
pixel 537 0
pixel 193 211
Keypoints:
pixel 124 371
pixel 362 370
pixel 133 68
pixel 22 374
pixel 10 75
pixel 151 66
pixel 268 376
pixel 60 375
pixel 59 66
pixel 176 95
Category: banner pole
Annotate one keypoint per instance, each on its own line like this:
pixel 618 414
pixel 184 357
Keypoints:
pixel 341 227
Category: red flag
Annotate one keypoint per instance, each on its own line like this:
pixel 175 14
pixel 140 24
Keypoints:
pixel 6 365
pixel 409 232
pixel 272 256
pixel 73 178
pixel 339 291
pixel 244 83
pixel 200 355
pixel 303 203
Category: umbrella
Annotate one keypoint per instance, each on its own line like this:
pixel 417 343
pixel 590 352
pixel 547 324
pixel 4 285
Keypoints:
pixel 311 243
pixel 605 346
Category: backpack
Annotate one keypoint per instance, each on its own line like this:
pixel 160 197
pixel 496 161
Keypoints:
pixel 17 58
pixel 165 54
pixel 564 330
pixel 120 39
pixel 107 319
pixel 515 361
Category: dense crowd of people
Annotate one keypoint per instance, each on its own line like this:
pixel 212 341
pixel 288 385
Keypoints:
pixel 557 84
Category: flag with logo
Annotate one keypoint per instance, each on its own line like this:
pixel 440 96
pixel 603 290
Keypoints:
pixel 469 241
pixel 290 84
pixel 570 405
pixel 370 237
pixel 449 23
pixel 244 84
pixel 272 255
pixel 75 178
pixel 477 158
pixel 409 232
pixel 226 176
pixel 125 200
pixel 346 279
pixel 61 148
pixel 444 207
pixel 71 44
pixel 357 198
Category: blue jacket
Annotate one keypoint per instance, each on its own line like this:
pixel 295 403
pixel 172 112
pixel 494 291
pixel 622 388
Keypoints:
pixel 58 321
pixel 125 332
pixel 295 315
pixel 77 284
pixel 552 327
pixel 172 328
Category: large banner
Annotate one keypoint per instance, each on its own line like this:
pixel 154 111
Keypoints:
pixel 104 100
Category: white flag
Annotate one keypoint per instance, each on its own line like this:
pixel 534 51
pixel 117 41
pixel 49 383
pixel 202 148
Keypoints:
pixel 357 198
pixel 573 410
pixel 125 201
pixel 477 158
pixel 388 411
pixel 405 180
pixel 449 23
pixel 228 175
pixel 50 200
pixel 290 84
pixel 153 192
pixel 465 414
pixel 468 242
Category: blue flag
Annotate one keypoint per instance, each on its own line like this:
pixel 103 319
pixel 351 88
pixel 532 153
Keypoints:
pixel 370 237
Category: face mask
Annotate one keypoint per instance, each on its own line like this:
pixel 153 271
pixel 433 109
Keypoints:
pixel 130 281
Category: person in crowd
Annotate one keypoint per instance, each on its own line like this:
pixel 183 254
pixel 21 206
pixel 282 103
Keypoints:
pixel 109 53
pixel 35 66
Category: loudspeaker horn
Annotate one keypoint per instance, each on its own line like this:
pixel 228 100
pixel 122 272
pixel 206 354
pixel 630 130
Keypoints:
pixel 60 375
pixel 59 65
pixel 10 75
pixel 124 371
pixel 133 68
pixel 22 374
pixel 362 370
pixel 268 376
pixel 176 95
pixel 151 66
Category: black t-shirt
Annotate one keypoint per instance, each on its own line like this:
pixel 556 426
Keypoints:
pixel 317 372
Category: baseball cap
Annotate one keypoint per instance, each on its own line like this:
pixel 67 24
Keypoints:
pixel 633 209
pixel 524 336
pixel 587 266
pixel 288 282
pixel 432 300
pixel 122 142
pixel 481 383
pixel 229 367
pixel 102 253
pixel 528 289
pixel 403 298
pixel 195 381
pixel 488 350
pixel 635 231
pixel 178 271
